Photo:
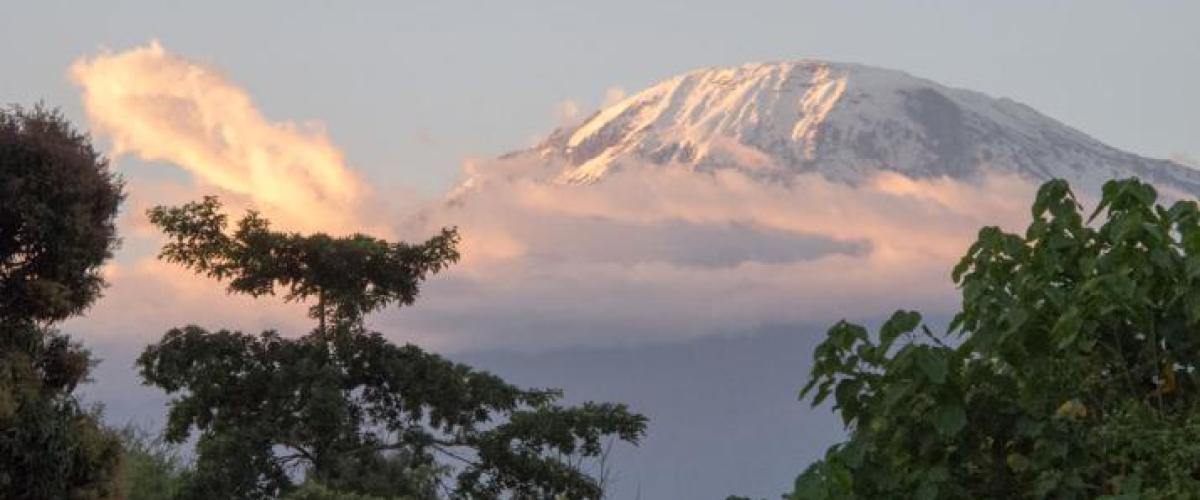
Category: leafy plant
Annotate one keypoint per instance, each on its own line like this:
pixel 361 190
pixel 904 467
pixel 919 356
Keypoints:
pixel 1071 371
pixel 315 491
pixel 151 468
pixel 58 203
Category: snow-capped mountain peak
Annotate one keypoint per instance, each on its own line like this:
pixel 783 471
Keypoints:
pixel 840 120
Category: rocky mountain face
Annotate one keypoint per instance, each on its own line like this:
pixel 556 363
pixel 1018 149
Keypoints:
pixel 843 121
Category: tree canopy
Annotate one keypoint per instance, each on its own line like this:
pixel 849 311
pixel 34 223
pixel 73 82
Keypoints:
pixel 58 203
pixel 342 401
pixel 348 277
pixel 1070 372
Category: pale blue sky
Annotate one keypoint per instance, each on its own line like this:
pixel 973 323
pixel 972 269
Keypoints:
pixel 409 89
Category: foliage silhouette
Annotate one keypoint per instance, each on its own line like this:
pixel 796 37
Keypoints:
pixel 151 468
pixel 1071 371
pixel 342 400
pixel 58 203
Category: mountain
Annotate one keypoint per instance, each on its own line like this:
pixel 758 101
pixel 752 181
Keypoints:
pixel 841 120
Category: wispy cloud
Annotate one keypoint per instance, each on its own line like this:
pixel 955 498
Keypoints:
pixel 159 106
pixel 571 111
pixel 566 112
pixel 613 95
pixel 1185 159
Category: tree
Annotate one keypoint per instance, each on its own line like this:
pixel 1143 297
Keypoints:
pixel 1071 371
pixel 58 203
pixel 331 402
pixel 392 474
pixel 315 491
pixel 151 468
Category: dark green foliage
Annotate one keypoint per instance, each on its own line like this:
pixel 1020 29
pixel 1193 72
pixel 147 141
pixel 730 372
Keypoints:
pixel 353 411
pixel 151 468
pixel 349 277
pixel 58 202
pixel 50 447
pixel 315 491
pixel 391 474
pixel 1074 373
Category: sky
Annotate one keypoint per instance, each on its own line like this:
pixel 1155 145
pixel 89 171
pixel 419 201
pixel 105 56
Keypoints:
pixel 359 117
pixel 409 89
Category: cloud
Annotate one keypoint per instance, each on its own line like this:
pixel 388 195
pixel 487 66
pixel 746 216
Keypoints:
pixel 650 253
pixel 659 253
pixel 569 111
pixel 613 95
pixel 162 107
pixel 147 297
pixel 566 112
pixel 1185 159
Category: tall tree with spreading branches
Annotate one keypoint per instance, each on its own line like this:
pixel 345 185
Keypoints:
pixel 333 401
pixel 1072 371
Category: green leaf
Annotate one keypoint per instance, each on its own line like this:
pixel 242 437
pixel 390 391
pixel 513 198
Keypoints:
pixel 927 491
pixel 932 364
pixel 1017 462
pixel 900 323
pixel 1066 329
pixel 853 454
pixel 1065 334
pixel 950 419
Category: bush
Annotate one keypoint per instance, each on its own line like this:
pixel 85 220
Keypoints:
pixel 1072 371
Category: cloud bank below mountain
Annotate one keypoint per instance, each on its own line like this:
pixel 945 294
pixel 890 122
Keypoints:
pixel 661 254
pixel 651 253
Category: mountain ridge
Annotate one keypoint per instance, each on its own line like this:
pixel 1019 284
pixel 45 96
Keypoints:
pixel 841 120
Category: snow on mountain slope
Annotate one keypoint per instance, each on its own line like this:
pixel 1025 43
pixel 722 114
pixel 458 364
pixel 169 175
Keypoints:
pixel 841 120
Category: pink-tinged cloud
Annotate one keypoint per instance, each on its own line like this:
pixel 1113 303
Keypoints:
pixel 147 297
pixel 646 254
pixel 158 106
pixel 660 253
pixel 162 107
